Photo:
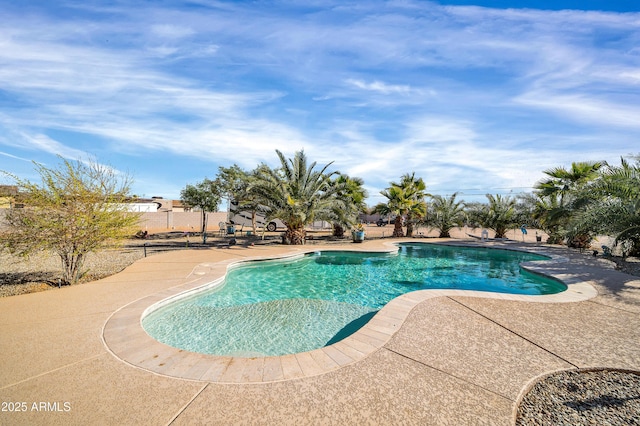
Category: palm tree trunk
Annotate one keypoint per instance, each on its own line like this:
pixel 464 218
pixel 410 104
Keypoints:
pixel 409 226
pixel 294 236
pixel 397 227
pixel 338 230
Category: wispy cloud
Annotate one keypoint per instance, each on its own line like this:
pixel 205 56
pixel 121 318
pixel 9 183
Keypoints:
pixel 588 109
pixel 380 87
pixel 46 144
pixel 459 94
pixel 15 157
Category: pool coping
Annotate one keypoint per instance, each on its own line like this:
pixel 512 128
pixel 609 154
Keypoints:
pixel 124 337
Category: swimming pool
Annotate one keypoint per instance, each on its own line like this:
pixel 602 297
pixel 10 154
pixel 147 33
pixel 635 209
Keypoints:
pixel 266 308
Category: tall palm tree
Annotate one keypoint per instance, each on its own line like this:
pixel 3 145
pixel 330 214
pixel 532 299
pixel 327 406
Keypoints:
pixel 295 193
pixel 415 188
pixel 445 214
pixel 562 181
pixel 406 199
pixel 564 191
pixel 398 203
pixel 614 207
pixel 350 195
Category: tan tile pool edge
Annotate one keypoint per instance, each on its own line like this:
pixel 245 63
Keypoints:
pixel 124 337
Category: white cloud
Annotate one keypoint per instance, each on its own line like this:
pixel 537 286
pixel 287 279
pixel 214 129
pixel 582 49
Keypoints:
pixel 380 87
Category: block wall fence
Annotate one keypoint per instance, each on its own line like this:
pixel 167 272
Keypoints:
pixel 180 221
pixel 171 221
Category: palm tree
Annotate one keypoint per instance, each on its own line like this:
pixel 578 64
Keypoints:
pixel 614 206
pixel 382 209
pixel 446 214
pixel 548 215
pixel 416 189
pixel 398 204
pixel 562 181
pixel 350 195
pixel 296 194
pixel 564 193
pixel 499 215
pixel 406 199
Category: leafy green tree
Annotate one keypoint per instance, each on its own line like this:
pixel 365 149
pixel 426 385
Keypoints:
pixel 78 208
pixel 445 213
pixel 296 193
pixel 231 181
pixel 236 185
pixel 205 196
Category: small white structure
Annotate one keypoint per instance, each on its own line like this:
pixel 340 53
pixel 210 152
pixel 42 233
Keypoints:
pixel 142 207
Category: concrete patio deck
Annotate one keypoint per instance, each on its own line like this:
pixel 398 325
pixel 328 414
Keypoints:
pixel 451 357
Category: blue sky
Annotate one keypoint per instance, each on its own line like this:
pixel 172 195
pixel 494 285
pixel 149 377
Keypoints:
pixel 473 96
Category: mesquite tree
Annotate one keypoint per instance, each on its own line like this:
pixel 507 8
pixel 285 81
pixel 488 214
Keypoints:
pixel 78 208
pixel 204 195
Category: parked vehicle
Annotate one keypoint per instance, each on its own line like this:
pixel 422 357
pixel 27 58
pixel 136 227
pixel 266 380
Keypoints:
pixel 243 218
pixel 383 221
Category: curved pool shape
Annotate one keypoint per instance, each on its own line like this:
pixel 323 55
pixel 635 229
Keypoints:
pixel 278 307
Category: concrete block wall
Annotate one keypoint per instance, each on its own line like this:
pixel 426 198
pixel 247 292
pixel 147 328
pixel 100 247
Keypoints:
pixel 180 221
pixel 170 221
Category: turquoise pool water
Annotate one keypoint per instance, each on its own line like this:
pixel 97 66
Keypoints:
pixel 287 306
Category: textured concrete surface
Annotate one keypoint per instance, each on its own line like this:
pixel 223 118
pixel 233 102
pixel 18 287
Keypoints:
pixel 458 341
pixel 72 356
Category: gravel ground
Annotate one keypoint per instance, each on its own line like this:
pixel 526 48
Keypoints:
pixel 41 271
pixel 631 265
pixel 603 397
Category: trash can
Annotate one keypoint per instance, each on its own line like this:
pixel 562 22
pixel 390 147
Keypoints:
pixel 231 229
